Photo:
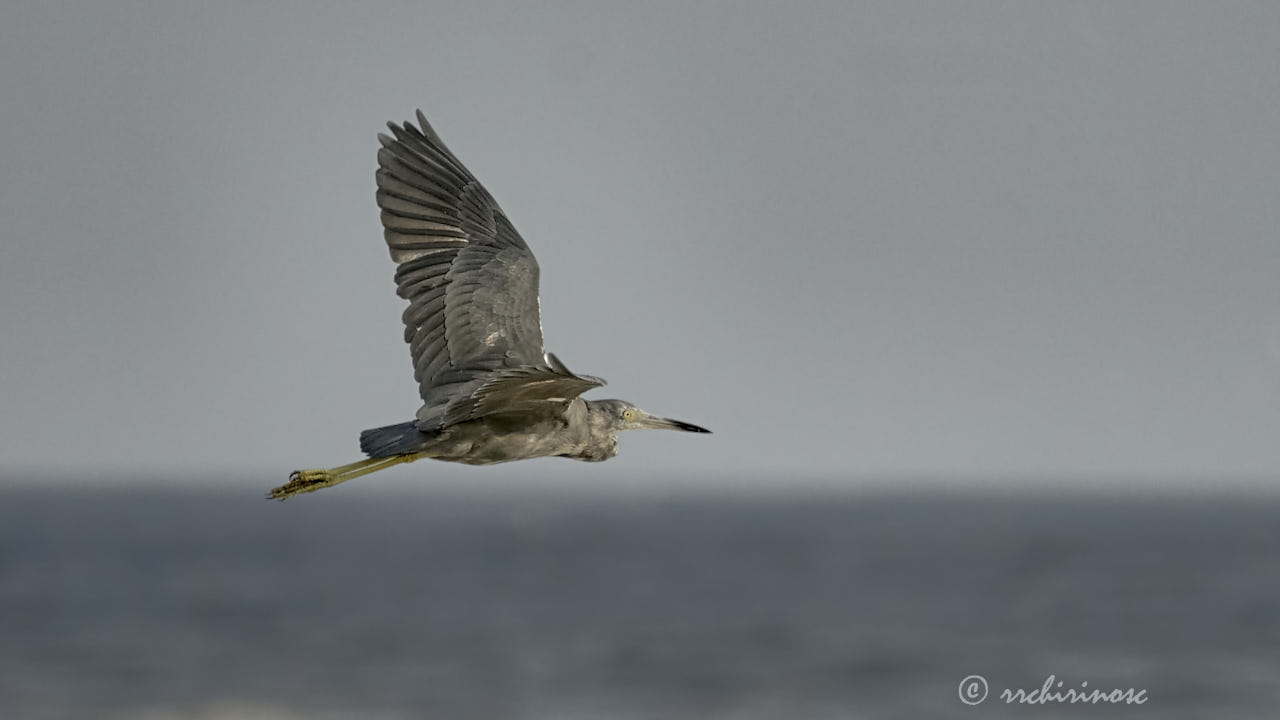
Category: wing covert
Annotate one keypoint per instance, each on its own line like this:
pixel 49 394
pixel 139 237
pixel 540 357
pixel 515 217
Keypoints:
pixel 527 390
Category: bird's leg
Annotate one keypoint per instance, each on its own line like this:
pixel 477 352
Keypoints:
pixel 305 481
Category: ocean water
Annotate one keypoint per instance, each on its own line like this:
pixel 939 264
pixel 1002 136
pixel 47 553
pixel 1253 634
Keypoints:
pixel 151 603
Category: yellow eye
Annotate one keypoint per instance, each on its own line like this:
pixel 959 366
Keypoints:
pixel 628 414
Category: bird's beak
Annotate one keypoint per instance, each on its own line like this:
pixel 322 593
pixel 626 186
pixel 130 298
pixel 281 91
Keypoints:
pixel 660 423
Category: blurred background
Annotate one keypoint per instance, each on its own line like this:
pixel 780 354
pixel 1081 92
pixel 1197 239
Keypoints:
pixel 980 300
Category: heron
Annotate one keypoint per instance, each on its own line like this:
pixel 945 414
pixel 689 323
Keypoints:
pixel 490 391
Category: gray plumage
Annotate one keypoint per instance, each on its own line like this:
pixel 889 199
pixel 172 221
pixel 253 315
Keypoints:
pixel 490 391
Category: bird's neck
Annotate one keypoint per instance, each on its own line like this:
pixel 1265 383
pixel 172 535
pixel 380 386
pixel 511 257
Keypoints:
pixel 595 427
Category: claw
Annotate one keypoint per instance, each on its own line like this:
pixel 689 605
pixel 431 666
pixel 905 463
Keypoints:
pixel 302 481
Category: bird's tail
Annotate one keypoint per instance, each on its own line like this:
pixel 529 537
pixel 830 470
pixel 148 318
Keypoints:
pixel 391 440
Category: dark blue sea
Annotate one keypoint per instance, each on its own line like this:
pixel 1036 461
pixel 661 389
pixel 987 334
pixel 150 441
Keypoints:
pixel 550 604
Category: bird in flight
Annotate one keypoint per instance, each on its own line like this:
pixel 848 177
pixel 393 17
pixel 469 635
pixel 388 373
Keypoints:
pixel 490 391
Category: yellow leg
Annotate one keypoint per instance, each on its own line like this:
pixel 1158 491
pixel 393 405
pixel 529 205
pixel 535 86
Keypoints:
pixel 305 481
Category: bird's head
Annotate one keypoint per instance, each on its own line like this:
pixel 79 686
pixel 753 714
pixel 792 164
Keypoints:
pixel 617 415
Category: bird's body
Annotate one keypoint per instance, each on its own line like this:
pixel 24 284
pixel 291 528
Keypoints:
pixel 501 438
pixel 490 391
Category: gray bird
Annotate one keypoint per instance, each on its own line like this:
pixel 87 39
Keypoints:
pixel 490 392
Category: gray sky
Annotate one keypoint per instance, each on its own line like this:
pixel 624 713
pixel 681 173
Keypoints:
pixel 959 239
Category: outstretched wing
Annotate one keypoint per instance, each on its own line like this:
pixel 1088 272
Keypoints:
pixel 470 279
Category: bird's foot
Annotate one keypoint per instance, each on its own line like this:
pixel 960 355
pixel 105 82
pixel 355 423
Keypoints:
pixel 303 481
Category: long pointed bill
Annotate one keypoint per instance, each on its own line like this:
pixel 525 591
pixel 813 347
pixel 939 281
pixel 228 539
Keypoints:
pixel 659 423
